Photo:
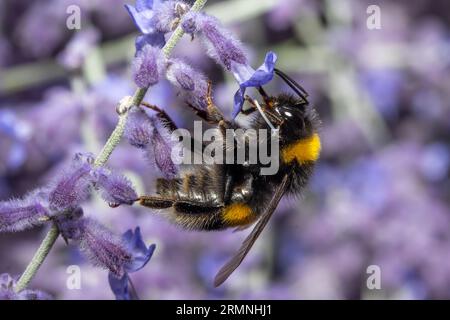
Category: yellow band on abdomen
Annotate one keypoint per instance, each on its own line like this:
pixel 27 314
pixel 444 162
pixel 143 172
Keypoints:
pixel 304 150
pixel 238 214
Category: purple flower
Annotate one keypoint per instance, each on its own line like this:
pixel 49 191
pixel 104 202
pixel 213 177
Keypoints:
pixel 139 128
pixel 155 18
pixel 7 284
pixel 120 255
pixel 143 15
pixel 152 135
pixel 227 51
pixel 115 188
pixel 119 286
pixel 148 65
pixel 247 77
pixel 18 215
pixel 78 48
pixel 72 187
pixel 193 83
pixel 161 149
pixel 103 248
pixel 141 255
pixel 222 45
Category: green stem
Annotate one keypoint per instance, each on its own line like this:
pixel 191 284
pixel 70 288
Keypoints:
pixel 139 95
pixel 38 259
pixel 103 157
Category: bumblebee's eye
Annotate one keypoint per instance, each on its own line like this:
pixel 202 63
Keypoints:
pixel 287 114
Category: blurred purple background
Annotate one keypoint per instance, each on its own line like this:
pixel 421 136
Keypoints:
pixel 379 196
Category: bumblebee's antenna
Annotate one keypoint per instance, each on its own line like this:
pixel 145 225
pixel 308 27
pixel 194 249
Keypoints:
pixel 293 84
pixel 265 96
pixel 263 114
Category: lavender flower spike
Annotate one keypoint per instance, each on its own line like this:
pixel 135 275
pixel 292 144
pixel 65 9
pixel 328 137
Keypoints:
pixel 193 83
pixel 148 65
pixel 18 215
pixel 141 256
pixel 139 128
pixel 115 188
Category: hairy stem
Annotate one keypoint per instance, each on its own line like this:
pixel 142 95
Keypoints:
pixel 139 95
pixel 103 157
pixel 38 259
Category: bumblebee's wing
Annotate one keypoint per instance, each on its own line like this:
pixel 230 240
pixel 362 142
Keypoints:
pixel 232 264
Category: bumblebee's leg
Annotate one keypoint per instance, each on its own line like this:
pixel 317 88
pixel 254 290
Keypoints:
pixel 161 114
pixel 212 114
pixel 271 115
pixel 213 111
pixel 252 107
pixel 196 215
pixel 193 215
pixel 155 202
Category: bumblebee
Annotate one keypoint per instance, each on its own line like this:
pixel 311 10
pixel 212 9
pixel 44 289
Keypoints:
pixel 220 196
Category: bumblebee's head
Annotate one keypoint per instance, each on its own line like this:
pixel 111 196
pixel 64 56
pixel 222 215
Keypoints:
pixel 293 115
pixel 299 120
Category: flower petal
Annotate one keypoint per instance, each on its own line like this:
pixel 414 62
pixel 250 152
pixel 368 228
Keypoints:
pixel 261 76
pixel 142 5
pixel 141 255
pixel 119 286
pixel 143 19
